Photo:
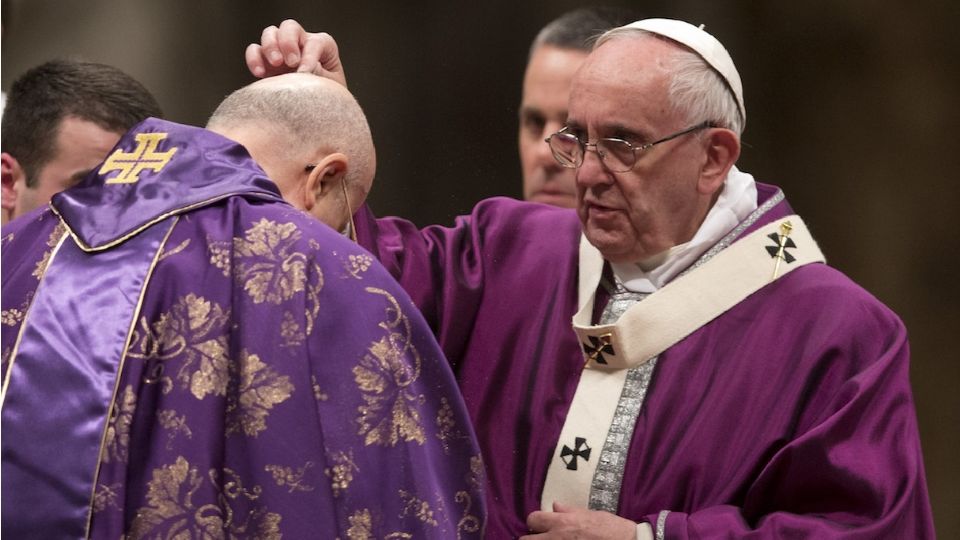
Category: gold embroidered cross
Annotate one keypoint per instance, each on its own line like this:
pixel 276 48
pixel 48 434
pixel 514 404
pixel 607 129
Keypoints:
pixel 144 156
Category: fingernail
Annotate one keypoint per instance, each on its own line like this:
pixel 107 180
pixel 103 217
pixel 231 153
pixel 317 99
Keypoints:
pixel 258 71
pixel 292 59
pixel 276 57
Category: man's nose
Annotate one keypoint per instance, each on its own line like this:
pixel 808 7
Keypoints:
pixel 592 172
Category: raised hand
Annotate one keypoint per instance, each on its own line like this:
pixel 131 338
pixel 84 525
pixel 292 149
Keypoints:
pixel 289 48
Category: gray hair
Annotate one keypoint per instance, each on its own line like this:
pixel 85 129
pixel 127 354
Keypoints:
pixel 578 29
pixel 696 91
pixel 304 118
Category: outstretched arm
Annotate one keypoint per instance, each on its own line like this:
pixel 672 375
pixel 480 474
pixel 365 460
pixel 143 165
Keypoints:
pixel 289 48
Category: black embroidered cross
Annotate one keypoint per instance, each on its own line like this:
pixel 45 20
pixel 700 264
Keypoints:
pixel 777 251
pixel 580 449
pixel 782 242
pixel 599 346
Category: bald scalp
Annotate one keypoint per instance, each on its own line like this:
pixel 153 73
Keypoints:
pixel 303 113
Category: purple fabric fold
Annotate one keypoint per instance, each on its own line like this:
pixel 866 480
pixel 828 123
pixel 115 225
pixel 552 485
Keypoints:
pixel 66 374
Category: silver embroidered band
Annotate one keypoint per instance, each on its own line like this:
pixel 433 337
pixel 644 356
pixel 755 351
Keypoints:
pixel 662 525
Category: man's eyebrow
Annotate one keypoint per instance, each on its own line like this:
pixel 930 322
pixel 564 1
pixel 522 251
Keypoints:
pixel 528 110
pixel 625 131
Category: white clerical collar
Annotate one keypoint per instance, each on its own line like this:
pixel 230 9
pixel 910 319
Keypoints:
pixel 737 200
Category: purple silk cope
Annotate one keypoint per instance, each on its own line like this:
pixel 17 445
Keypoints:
pixel 788 416
pixel 191 357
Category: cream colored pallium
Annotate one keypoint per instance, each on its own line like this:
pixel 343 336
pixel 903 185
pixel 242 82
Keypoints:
pixel 649 328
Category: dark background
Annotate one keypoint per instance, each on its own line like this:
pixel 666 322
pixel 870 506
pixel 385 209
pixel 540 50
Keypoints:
pixel 852 108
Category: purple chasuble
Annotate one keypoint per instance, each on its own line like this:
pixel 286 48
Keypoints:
pixel 235 368
pixel 788 416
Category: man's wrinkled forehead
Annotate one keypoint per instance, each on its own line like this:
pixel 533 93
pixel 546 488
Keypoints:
pixel 619 73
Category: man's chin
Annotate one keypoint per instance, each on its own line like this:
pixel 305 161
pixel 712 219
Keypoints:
pixel 611 244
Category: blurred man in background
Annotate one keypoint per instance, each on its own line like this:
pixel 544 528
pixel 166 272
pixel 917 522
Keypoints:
pixel 60 120
pixel 555 55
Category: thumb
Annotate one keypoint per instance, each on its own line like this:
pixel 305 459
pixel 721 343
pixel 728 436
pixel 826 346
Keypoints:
pixel 561 507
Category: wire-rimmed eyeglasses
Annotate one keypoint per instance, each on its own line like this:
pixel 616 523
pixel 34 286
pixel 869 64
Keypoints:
pixel 617 155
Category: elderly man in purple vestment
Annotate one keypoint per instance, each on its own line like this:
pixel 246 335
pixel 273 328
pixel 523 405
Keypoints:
pixel 679 362
pixel 185 355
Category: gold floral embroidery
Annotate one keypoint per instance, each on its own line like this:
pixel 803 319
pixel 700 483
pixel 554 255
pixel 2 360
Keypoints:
pixel 468 523
pixel 476 476
pixel 11 317
pixel 418 507
pixel 153 374
pixel 384 375
pixel 264 262
pixel 171 252
pixel 220 255
pixel 116 445
pixel 341 474
pixel 169 499
pixel 106 497
pixel 361 525
pixel 286 476
pixel 259 389
pixel 446 426
pixel 15 316
pixel 7 239
pixel 357 264
pixel 168 419
pixel 269 270
pixel 213 373
pixel 195 329
pixel 52 242
pixel 172 511
pixel 317 392
pixel 312 308
pixel 290 331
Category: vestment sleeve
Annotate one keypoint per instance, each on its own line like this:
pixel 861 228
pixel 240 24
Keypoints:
pixel 854 468
pixel 442 268
pixel 401 456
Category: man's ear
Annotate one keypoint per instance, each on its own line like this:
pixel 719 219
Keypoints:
pixel 722 151
pixel 13 178
pixel 325 179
